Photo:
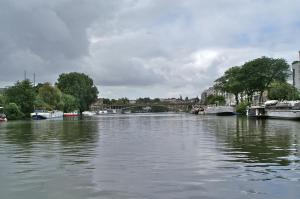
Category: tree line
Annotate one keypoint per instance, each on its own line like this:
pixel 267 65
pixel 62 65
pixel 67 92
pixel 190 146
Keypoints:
pixel 72 91
pixel 258 76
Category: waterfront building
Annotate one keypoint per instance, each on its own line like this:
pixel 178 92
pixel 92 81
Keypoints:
pixel 97 105
pixel 296 73
pixel 229 98
pixel 132 101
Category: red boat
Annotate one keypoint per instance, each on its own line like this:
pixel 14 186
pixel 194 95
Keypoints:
pixel 72 114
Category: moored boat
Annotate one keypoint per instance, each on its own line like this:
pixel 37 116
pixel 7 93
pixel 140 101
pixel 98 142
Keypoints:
pixel 2 115
pixel 72 114
pixel 219 110
pixel 283 110
pixel 88 113
pixel 256 111
pixel 44 114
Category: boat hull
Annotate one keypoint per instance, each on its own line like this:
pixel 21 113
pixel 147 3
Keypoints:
pixel 284 114
pixel 219 110
pixel 256 112
pixel 3 119
pixel 71 114
pixel 46 115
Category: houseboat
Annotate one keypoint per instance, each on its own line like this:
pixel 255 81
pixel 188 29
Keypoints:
pixel 219 110
pixel 44 114
pixel 283 110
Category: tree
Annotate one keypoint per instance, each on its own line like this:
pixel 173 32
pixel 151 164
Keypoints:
pixel 145 100
pixel 13 112
pixel 263 71
pixel 282 91
pixel 51 95
pixel 80 86
pixel 122 101
pixel 215 99
pixel 231 82
pixel 69 102
pixel 106 101
pixel 156 100
pixel 23 94
pixel 2 100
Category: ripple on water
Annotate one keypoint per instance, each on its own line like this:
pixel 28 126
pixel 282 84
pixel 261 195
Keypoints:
pixel 150 156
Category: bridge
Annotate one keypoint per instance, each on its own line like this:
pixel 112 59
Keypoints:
pixel 147 107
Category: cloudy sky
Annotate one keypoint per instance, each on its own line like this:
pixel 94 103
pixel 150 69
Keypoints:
pixel 132 48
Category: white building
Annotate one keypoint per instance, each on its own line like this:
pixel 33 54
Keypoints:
pixel 296 73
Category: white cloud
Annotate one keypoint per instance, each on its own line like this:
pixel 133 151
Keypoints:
pixel 143 48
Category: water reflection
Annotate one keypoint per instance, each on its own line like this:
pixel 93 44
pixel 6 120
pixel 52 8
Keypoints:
pixel 150 156
pixel 257 141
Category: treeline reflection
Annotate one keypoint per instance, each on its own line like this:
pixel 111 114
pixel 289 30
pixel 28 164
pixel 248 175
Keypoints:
pixel 257 141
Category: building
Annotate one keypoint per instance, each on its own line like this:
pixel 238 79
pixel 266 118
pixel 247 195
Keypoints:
pixel 296 73
pixel 229 98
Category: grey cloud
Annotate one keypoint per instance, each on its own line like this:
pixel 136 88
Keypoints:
pixel 144 47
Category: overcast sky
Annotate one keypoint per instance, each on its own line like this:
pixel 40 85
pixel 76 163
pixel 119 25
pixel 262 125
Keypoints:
pixel 132 48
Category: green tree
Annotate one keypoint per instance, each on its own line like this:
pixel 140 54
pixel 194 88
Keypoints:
pixel 145 100
pixel 231 82
pixel 156 100
pixel 80 86
pixel 106 101
pixel 23 94
pixel 2 100
pixel 13 112
pixel 282 91
pixel 51 95
pixel 40 104
pixel 260 73
pixel 123 101
pixel 215 99
pixel 241 108
pixel 70 103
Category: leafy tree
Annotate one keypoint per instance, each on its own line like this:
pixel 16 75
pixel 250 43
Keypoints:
pixel 23 94
pixel 260 73
pixel 70 103
pixel 122 101
pixel 13 112
pixel 215 99
pixel 231 82
pixel 145 100
pixel 241 108
pixel 156 100
pixel 40 104
pixel 80 86
pixel 113 101
pixel 2 100
pixel 51 95
pixel 106 101
pixel 283 91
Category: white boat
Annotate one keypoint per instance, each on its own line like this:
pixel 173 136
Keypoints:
pixel 256 111
pixel 283 110
pixel 2 115
pixel 100 112
pixel 44 114
pixel 219 110
pixel 88 113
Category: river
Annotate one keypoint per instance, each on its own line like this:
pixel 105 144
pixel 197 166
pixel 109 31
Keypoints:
pixel 151 156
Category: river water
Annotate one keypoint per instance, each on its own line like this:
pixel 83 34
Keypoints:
pixel 150 156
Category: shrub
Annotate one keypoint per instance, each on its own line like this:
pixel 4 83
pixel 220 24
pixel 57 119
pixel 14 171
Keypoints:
pixel 13 112
pixel 241 108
